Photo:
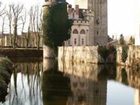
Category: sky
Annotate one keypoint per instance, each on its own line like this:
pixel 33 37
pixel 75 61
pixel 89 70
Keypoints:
pixel 123 15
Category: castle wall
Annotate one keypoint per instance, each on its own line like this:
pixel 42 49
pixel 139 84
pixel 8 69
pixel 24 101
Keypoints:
pixel 80 38
pixel 98 27
pixel 87 54
pixel 133 55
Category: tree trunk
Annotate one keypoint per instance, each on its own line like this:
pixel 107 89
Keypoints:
pixel 14 36
pixel 38 41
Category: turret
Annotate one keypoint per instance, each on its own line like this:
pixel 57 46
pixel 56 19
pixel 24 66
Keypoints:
pixel 55 26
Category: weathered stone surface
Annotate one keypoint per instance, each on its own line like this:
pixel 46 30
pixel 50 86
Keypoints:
pixel 133 55
pixel 88 54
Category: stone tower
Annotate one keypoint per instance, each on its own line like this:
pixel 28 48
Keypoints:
pixel 100 18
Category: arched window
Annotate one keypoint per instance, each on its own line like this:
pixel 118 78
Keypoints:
pixel 75 31
pixel 82 31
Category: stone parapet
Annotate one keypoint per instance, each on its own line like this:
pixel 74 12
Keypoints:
pixel 79 22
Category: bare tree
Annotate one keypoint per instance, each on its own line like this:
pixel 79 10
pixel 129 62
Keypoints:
pixel 27 36
pixel 37 27
pixel 23 22
pixel 34 20
pixel 3 24
pixel 2 9
pixel 23 19
pixel 9 16
pixel 2 16
pixel 17 10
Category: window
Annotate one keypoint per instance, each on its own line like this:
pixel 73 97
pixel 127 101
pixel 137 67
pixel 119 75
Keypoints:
pixel 75 41
pixel 97 33
pixel 82 31
pixel 75 31
pixel 82 41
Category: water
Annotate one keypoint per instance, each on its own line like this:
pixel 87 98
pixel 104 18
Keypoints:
pixel 52 83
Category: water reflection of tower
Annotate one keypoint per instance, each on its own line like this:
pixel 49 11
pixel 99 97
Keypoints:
pixel 87 89
pixel 55 86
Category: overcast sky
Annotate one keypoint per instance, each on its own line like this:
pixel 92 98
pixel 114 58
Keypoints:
pixel 123 15
pixel 123 18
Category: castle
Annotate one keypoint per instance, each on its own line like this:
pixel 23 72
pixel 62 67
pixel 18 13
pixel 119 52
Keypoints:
pixel 90 23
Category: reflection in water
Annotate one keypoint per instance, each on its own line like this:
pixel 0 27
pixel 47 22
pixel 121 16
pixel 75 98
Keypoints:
pixel 55 87
pixel 71 84
pixel 6 68
pixel 130 77
pixel 88 85
pixel 24 88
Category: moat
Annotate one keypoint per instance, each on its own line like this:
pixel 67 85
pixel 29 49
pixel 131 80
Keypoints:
pixel 52 82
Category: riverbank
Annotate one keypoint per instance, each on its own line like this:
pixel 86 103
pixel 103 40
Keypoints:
pixel 20 52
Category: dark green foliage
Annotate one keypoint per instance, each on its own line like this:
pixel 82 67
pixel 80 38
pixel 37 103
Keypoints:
pixel 56 26
pixel 124 76
pixel 107 53
pixel 5 75
pixel 121 40
pixel 103 51
pixel 124 53
pixel 131 40
pixel 107 72
pixel 55 87
pixel 3 90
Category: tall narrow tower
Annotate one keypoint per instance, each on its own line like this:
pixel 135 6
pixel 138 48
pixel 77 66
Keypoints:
pixel 101 25
pixel 100 18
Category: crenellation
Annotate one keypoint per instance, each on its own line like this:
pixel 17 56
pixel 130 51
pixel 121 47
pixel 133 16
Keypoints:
pixel 94 18
pixel 79 22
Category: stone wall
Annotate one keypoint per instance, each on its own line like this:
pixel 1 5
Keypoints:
pixel 119 55
pixel 87 54
pixel 133 55
pixel 34 40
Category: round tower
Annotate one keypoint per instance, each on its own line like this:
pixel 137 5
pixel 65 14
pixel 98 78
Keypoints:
pixel 55 26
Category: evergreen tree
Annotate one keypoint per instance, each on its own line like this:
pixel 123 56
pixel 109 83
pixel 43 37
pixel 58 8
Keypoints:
pixel 121 40
pixel 56 26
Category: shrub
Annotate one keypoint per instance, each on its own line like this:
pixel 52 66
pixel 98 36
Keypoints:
pixel 56 26
pixel 124 53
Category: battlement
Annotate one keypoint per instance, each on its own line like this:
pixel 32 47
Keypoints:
pixel 83 22
pixel 87 11
pixel 77 13
pixel 73 13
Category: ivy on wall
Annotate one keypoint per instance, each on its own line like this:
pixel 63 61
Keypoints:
pixel 124 52
pixel 56 26
pixel 108 53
